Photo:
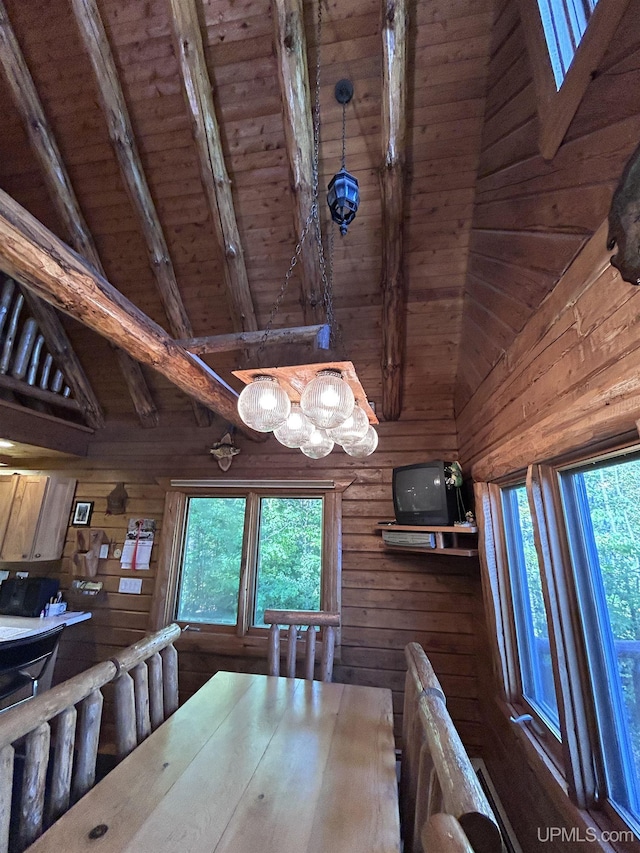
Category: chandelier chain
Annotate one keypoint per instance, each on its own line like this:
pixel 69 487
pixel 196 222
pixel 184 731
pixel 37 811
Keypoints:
pixel 313 219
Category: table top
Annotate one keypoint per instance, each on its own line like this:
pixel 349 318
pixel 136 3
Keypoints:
pixel 18 627
pixel 250 764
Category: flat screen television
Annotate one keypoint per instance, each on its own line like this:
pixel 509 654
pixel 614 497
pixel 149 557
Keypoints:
pixel 421 495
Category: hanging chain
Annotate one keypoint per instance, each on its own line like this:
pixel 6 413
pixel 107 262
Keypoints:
pixel 326 267
pixel 344 133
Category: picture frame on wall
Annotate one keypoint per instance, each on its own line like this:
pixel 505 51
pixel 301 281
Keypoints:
pixel 82 514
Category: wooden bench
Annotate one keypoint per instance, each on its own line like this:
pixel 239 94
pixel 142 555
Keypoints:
pixel 441 801
pixel 49 745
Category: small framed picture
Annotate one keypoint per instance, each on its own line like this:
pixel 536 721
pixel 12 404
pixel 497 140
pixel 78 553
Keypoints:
pixel 82 514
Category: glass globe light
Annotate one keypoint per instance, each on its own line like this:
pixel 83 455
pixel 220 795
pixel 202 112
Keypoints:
pixel 263 405
pixel 318 445
pixel 296 430
pixel 327 400
pixel 365 446
pixel 353 429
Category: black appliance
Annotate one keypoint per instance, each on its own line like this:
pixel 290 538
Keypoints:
pixel 26 596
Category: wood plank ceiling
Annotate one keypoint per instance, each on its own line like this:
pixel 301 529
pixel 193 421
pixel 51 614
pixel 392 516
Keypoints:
pixel 180 132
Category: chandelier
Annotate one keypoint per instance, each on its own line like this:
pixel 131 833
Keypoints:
pixel 311 407
pixel 314 407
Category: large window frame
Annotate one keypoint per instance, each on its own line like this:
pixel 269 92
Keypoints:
pixel 557 107
pixel 579 770
pixel 242 638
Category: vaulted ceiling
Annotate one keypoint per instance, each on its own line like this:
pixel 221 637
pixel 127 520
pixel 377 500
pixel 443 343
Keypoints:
pixel 196 227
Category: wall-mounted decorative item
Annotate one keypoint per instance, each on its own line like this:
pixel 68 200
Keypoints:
pixel 224 450
pixel 82 514
pixel 624 232
pixel 117 500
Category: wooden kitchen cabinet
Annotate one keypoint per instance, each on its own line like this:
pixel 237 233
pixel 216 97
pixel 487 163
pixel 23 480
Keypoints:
pixel 34 514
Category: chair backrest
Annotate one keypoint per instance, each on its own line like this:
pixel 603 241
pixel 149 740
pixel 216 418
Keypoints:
pixel 437 776
pixel 53 741
pixel 308 620
pixel 24 660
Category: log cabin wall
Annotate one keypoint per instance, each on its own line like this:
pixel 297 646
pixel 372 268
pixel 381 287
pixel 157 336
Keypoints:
pixel 388 599
pixel 550 330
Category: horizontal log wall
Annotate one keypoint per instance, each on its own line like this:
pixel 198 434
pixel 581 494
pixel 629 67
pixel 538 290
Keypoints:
pixel 388 599
pixel 562 370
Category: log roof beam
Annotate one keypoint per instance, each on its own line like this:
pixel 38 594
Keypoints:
pixel 61 192
pixel 35 257
pixel 122 137
pixel 318 335
pixel 291 52
pixel 392 182
pixel 215 179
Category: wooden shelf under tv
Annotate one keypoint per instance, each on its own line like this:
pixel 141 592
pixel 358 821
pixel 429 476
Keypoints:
pixel 453 550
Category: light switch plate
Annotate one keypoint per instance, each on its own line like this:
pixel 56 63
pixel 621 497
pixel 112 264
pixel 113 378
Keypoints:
pixel 104 551
pixel 133 585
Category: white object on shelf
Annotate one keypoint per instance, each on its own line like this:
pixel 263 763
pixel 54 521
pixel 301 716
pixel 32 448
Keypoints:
pixel 417 539
pixel 132 585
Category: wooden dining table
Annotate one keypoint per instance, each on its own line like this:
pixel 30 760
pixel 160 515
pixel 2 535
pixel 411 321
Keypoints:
pixel 250 764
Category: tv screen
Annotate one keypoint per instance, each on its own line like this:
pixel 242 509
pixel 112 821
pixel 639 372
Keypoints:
pixel 421 495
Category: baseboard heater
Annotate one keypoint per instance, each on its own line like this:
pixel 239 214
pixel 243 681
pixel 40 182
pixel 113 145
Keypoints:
pixel 508 835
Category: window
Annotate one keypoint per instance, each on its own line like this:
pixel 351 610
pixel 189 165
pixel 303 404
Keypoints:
pixel 227 554
pixel 530 616
pixel 564 23
pixel 284 569
pixel 601 507
pixel 566 40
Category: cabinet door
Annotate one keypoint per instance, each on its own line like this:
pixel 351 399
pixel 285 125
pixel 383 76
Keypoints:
pixel 48 542
pixel 23 518
pixel 8 486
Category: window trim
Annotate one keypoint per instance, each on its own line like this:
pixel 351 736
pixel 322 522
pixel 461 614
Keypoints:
pixel 556 108
pixel 242 639
pixel 578 785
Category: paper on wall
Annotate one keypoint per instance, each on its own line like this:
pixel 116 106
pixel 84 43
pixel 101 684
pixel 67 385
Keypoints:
pixel 136 552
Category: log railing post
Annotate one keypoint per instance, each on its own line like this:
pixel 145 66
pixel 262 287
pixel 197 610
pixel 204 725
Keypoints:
pixel 33 782
pixel 292 642
pixel 60 794
pixel 310 652
pixel 170 680
pixel 156 699
pixel 125 714
pixel 88 737
pixel 140 676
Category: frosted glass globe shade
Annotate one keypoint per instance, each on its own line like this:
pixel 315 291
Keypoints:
pixel 353 429
pixel 365 446
pixel 327 400
pixel 263 405
pixel 296 430
pixel 318 445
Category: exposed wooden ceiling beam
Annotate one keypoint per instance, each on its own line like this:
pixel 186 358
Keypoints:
pixel 122 138
pixel 215 179
pixel 61 191
pixel 291 53
pixel 318 334
pixel 392 180
pixel 34 256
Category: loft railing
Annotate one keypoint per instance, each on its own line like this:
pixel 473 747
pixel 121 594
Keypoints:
pixel 439 788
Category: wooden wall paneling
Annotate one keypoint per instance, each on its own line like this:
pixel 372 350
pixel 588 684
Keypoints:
pixel 388 599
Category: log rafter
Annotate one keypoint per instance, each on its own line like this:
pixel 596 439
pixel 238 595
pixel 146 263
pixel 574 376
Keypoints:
pixel 35 257
pixel 392 181
pixel 43 142
pixel 318 335
pixel 199 95
pixel 291 54
pixel 122 137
